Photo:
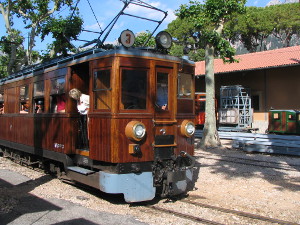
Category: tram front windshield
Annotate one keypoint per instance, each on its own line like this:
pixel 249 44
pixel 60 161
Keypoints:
pixel 134 89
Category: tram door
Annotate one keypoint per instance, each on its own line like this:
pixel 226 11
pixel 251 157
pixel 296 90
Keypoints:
pixel 165 123
pixel 80 80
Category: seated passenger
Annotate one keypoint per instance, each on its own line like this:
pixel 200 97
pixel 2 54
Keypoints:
pixel 39 108
pixel 61 103
pixel 24 107
pixel 1 108
pixel 162 96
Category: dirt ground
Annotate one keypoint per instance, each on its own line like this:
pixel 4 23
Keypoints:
pixel 222 182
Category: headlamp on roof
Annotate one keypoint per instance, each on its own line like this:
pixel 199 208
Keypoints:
pixel 163 40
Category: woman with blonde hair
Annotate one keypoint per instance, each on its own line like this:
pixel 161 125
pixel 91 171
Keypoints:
pixel 83 105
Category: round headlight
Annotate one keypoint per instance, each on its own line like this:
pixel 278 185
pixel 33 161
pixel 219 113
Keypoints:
pixel 187 128
pixel 135 130
pixel 163 39
pixel 139 131
pixel 190 129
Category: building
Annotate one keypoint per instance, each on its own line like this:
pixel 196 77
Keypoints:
pixel 273 77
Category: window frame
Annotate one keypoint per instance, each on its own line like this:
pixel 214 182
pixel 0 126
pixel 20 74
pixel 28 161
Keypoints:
pixel 51 95
pixel 26 99
pixel 110 89
pixel 191 94
pixel 36 98
pixel 147 104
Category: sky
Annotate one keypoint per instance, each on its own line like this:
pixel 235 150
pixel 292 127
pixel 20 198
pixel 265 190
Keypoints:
pixel 106 10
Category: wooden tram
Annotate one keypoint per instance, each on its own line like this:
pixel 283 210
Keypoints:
pixel 135 147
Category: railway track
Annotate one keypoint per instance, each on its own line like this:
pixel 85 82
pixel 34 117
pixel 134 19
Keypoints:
pixel 251 162
pixel 229 212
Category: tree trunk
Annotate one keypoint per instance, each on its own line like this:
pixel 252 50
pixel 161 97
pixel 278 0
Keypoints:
pixel 210 134
pixel 13 48
pixel 12 58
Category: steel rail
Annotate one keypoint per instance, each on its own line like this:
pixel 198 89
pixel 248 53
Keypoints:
pixel 254 160
pixel 253 164
pixel 240 213
pixel 182 215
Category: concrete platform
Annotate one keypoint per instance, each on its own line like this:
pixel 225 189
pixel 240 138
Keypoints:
pixel 19 207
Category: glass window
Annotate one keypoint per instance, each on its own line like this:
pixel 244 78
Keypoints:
pixel 1 103
pixel 162 91
pixel 185 82
pixel 38 89
pixel 58 97
pixel 102 89
pixel 24 99
pixel 134 89
pixel 38 97
pixel 58 86
pixel 292 116
pixel 276 116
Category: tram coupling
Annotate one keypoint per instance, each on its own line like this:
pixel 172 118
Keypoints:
pixel 174 176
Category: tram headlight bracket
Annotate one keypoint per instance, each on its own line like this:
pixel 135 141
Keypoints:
pixel 135 130
pixel 187 128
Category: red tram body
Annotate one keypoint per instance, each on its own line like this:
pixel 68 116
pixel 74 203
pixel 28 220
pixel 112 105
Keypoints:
pixel 123 87
pixel 200 100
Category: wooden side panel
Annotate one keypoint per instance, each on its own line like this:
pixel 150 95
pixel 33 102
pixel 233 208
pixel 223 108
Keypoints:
pixel 23 129
pixel 99 138
pixel 11 98
pixel 184 143
pixel 134 62
pixel 185 105
pixel 5 133
pixel 50 133
pixel 121 152
pixel 59 135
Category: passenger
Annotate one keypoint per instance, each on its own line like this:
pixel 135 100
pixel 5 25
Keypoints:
pixel 39 108
pixel 61 103
pixel 1 108
pixel 24 107
pixel 162 96
pixel 83 104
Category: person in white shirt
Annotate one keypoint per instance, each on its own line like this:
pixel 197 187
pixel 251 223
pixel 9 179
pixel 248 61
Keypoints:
pixel 83 105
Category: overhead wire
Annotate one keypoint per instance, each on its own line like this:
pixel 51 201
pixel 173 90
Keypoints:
pixel 94 15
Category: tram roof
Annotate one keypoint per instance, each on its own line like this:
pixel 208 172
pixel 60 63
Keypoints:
pixel 89 55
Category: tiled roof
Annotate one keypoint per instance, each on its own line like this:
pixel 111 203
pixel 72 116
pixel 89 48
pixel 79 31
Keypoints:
pixel 258 60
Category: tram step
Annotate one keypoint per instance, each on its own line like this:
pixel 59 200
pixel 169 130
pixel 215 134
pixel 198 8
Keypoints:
pixel 80 170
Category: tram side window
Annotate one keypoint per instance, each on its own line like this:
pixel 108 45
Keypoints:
pixel 134 89
pixel 102 89
pixel 38 97
pixel 185 82
pixel 276 116
pixel 1 103
pixel 24 99
pixel 58 96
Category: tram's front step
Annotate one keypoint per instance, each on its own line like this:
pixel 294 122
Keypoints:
pixel 80 170
pixel 84 176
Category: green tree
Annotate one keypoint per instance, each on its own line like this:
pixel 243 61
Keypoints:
pixel 286 20
pixel 187 39
pixel 35 14
pixel 142 37
pixel 255 27
pixel 209 19
pixel 10 43
pixel 62 30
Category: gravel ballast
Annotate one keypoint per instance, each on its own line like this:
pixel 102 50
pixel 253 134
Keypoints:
pixel 264 190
